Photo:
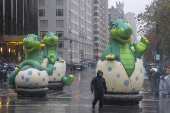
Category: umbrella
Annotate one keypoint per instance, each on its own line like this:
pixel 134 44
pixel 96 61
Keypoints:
pixel 152 64
pixel 155 69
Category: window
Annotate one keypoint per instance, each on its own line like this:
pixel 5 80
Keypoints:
pixel 95 26
pixel 60 54
pixel 96 44
pixel 96 38
pixel 41 2
pixel 95 19
pixel 60 34
pixel 42 33
pixel 95 1
pixel 43 23
pixel 59 12
pixel 95 8
pixel 59 2
pixel 61 44
pixel 95 13
pixel 96 32
pixel 74 45
pixel 59 23
pixel 41 12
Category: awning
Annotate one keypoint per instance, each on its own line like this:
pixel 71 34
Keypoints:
pixel 21 43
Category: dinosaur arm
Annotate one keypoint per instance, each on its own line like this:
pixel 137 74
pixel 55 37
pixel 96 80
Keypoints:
pixel 141 47
pixel 106 52
pixel 51 61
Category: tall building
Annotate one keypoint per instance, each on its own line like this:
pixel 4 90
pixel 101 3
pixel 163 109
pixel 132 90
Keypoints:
pixel 114 14
pixel 71 20
pixel 130 17
pixel 120 8
pixel 100 26
pixel 17 19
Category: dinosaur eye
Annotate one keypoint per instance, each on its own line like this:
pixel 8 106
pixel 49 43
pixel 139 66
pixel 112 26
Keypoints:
pixel 126 21
pixel 114 27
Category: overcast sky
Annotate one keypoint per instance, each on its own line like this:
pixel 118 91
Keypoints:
pixel 134 6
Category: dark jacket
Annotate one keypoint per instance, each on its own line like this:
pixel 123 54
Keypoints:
pixel 98 83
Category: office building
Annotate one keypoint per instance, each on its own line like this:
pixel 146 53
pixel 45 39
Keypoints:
pixel 100 27
pixel 17 19
pixel 71 20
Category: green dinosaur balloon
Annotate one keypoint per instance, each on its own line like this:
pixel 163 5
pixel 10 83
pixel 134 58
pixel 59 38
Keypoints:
pixel 31 45
pixel 50 49
pixel 50 52
pixel 120 45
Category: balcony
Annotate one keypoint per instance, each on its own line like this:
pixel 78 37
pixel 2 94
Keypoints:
pixel 96 35
pixel 97 41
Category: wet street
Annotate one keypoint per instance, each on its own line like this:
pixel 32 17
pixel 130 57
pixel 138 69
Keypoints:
pixel 77 98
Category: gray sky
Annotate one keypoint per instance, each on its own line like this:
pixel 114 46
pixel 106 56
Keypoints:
pixel 134 6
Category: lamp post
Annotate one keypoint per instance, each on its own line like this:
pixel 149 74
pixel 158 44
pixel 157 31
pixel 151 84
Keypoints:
pixel 9 52
pixel 71 49
pixel 69 29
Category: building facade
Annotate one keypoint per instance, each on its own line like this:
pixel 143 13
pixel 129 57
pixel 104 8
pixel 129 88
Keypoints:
pixel 130 17
pixel 100 26
pixel 17 19
pixel 114 14
pixel 71 20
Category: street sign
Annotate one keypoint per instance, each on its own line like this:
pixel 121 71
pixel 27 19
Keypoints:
pixel 157 57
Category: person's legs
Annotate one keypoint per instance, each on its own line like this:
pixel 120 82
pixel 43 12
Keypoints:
pixel 101 96
pixel 96 98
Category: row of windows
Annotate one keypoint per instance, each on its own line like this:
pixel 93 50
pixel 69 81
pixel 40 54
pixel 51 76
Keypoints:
pixel 58 2
pixel 44 23
pixel 59 12
pixel 75 17
pixel 82 4
pixel 80 39
pixel 76 55
pixel 83 47
pixel 60 34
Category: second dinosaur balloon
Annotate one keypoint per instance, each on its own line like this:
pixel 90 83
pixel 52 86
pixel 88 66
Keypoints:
pixel 57 80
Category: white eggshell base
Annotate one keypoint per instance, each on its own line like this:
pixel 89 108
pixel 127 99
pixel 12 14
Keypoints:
pixel 32 78
pixel 59 69
pixel 117 81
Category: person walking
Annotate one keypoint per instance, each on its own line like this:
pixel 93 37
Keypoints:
pixel 98 84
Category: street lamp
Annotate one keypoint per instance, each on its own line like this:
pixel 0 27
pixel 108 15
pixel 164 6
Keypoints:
pixel 1 51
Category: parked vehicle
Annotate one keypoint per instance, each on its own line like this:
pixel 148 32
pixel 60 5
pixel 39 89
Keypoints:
pixel 79 68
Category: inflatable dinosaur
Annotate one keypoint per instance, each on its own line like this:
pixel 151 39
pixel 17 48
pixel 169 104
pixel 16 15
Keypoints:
pixel 30 73
pixel 121 65
pixel 59 66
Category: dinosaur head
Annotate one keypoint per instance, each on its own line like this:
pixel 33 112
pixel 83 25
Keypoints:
pixel 31 42
pixel 50 39
pixel 121 30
